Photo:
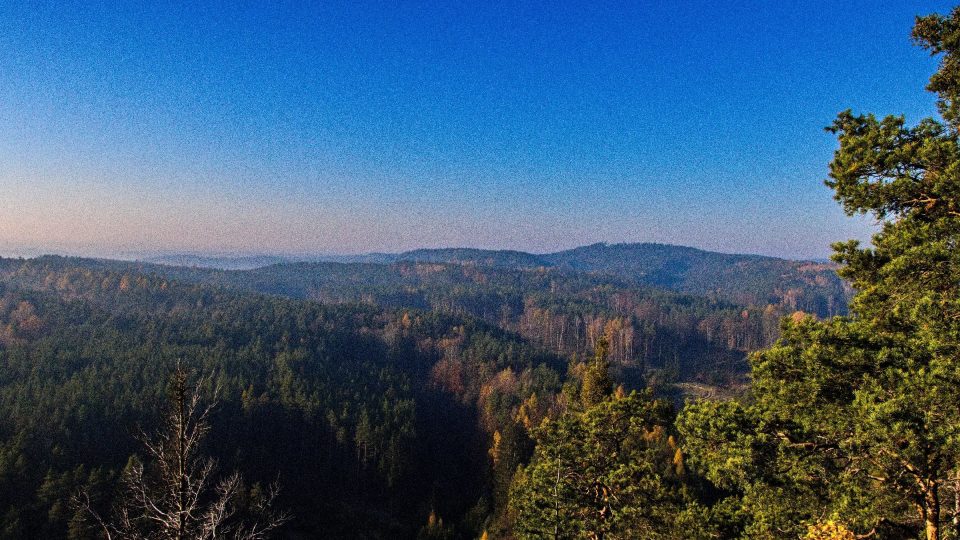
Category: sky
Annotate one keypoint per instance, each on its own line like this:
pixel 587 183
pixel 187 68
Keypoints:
pixel 351 127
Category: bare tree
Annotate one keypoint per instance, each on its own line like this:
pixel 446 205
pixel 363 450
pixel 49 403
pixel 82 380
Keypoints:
pixel 172 495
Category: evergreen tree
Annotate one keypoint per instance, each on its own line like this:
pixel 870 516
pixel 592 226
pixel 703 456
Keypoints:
pixel 603 473
pixel 597 385
pixel 857 416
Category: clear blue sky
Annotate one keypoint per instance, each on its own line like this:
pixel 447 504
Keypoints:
pixel 383 127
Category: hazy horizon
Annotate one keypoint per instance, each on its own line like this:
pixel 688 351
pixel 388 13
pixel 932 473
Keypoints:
pixel 358 129
pixel 149 255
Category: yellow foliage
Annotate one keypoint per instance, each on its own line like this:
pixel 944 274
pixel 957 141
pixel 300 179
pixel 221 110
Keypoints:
pixel 529 412
pixel 678 462
pixel 654 434
pixel 495 448
pixel 829 530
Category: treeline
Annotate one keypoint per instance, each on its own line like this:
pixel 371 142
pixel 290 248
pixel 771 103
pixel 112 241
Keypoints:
pixel 680 337
pixel 741 279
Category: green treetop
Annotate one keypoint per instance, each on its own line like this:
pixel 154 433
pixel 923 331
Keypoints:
pixel 597 385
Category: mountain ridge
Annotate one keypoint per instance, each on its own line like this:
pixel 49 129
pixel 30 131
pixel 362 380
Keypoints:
pixel 744 279
pixel 443 254
pixel 750 280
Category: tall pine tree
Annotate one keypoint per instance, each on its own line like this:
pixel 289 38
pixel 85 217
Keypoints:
pixel 857 417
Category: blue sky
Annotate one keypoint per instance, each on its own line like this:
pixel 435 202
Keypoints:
pixel 382 127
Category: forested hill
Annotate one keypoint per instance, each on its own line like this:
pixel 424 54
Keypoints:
pixel 378 392
pixel 402 379
pixel 749 280
pixel 657 334
pixel 743 279
pixel 668 336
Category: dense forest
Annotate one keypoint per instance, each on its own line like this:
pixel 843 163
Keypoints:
pixel 345 405
pixel 410 378
pixel 609 392
pixel 387 400
pixel 740 279
pixel 676 337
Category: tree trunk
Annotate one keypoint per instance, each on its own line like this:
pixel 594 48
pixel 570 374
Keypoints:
pixel 931 512
pixel 556 502
pixel 933 528
pixel 181 392
pixel 956 502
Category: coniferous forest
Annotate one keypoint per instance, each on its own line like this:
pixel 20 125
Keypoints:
pixel 622 391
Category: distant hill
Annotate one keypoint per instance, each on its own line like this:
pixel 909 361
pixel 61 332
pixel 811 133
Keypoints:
pixel 480 257
pixel 221 263
pixel 743 279
pixel 749 280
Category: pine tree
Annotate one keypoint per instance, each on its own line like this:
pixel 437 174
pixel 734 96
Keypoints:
pixel 603 473
pixel 597 385
pixel 860 412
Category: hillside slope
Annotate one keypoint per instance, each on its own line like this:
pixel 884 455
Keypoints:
pixel 743 279
pixel 749 280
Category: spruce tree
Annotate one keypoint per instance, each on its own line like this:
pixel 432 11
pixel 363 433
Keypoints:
pixel 597 385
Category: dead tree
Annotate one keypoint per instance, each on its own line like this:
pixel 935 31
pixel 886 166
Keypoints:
pixel 172 495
